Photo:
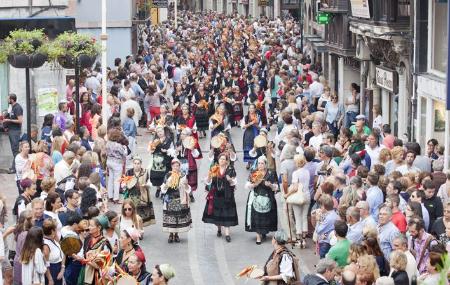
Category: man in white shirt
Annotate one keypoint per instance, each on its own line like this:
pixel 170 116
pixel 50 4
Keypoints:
pixel 316 88
pixel 408 167
pixel 126 91
pixel 373 149
pixel 317 139
pixel 401 243
pixel 63 168
pixel 130 102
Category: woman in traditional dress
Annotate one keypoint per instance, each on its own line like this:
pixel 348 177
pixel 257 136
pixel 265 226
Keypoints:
pixel 188 121
pixel 251 124
pixel 220 208
pixel 261 212
pixel 219 122
pixel 159 148
pixel 176 212
pixel 139 192
pixel 238 106
pixel 96 248
pixel 136 268
pixel 187 153
pixel 201 99
pixel 257 97
pixel 267 150
pixel 129 239
pixel 180 97
pixel 164 119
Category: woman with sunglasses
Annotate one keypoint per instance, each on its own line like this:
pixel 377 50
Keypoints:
pixel 334 114
pixel 176 212
pixel 161 274
pixel 129 218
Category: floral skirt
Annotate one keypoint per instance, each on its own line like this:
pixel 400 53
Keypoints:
pixel 176 217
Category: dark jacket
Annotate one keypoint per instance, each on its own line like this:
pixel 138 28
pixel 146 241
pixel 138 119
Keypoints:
pixel 400 277
pixel 435 209
pixel 313 279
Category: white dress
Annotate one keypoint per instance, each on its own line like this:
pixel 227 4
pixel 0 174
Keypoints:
pixel 33 272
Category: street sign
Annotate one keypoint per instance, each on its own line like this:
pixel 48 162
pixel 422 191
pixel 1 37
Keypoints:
pixel 323 18
pixel 159 3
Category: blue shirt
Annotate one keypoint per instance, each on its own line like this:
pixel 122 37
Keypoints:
pixel 375 199
pixel 129 128
pixel 386 235
pixel 325 226
pixel 355 232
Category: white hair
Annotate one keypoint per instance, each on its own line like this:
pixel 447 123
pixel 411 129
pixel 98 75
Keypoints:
pixel 384 280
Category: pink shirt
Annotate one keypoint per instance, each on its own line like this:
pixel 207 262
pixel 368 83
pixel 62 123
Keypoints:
pixel 69 93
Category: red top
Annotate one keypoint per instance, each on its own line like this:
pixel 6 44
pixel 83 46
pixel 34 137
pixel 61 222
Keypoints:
pixel 399 220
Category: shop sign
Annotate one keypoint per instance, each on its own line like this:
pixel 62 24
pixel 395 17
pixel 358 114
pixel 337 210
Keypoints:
pixel 263 3
pixel 159 4
pixel 245 2
pixel 360 8
pixel 387 79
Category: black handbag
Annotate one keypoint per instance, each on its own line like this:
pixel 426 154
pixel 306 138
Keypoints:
pixel 146 211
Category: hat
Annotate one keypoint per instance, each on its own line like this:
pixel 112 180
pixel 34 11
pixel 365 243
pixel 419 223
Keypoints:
pixel 360 117
pixel 167 271
pixel 140 255
pixel 263 130
pixel 103 221
pixel 281 237
pixel 175 160
pixel 133 233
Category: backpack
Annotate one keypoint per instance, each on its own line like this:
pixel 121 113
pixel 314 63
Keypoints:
pixel 16 205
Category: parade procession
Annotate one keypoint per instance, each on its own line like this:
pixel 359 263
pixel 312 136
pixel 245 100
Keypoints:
pixel 222 147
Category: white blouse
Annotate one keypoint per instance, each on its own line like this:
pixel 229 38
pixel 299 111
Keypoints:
pixel 33 272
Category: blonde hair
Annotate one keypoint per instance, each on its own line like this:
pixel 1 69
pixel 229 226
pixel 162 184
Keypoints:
pixel 299 160
pixel 48 183
pixel 397 151
pixel 385 155
pixel 398 260
pixel 57 144
pixel 368 264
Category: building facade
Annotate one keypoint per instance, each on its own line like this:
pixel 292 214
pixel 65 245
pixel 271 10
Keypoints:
pixel 430 69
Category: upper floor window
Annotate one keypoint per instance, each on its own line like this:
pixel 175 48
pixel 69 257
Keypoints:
pixel 439 36
pixel 403 8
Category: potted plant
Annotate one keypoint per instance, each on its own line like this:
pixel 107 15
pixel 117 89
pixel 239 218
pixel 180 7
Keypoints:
pixel 69 46
pixel 25 49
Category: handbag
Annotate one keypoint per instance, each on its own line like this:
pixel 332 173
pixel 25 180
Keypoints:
pixel 262 204
pixel 146 212
pixel 297 198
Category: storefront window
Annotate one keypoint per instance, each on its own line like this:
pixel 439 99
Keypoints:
pixel 439 121
pixel 394 113
pixel 423 121
pixel 439 36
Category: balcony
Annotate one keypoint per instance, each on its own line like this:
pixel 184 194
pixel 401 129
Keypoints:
pixel 388 18
pixel 338 38
pixel 334 6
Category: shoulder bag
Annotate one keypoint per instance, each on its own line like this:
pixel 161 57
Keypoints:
pixel 297 198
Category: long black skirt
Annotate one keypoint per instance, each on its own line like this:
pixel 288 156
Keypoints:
pixel 201 119
pixel 261 223
pixel 224 211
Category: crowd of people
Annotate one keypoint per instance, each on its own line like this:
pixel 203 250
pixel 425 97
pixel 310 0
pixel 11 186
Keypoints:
pixel 374 208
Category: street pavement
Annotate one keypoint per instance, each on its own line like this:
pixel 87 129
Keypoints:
pixel 201 257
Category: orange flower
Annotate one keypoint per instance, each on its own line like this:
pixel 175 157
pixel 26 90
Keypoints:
pixel 174 180
pixel 125 179
pixel 203 104
pixel 214 171
pixel 256 176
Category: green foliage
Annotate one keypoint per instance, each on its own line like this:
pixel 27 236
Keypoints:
pixel 24 42
pixel 444 270
pixel 73 45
